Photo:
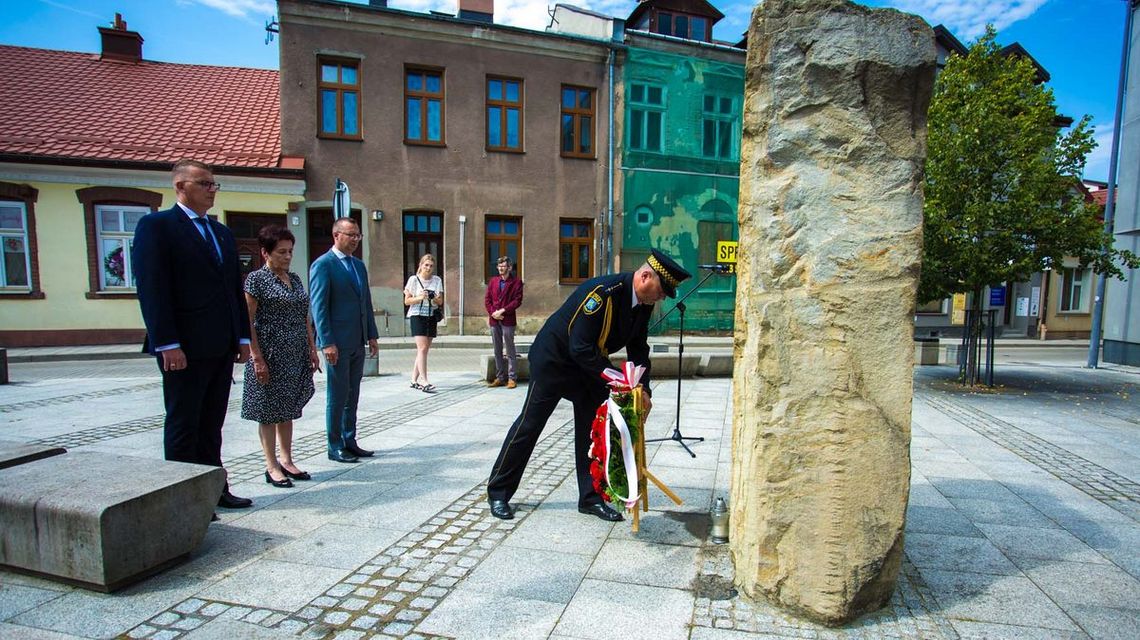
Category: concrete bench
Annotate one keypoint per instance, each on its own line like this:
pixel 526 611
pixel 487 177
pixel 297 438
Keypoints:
pixel 17 453
pixel 103 521
pixel 664 365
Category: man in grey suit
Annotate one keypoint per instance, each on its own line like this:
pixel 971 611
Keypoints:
pixel 342 313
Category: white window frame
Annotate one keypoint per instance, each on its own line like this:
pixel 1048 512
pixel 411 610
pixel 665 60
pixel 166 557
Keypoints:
pixel 21 233
pixel 125 240
pixel 647 109
pixel 1069 283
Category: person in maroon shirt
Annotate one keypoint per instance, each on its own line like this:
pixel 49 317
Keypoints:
pixel 504 295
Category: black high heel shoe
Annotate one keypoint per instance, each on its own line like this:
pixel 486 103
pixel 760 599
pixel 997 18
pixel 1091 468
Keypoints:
pixel 303 475
pixel 284 483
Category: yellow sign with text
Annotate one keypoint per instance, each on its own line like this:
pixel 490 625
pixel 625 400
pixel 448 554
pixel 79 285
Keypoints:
pixel 958 309
pixel 726 253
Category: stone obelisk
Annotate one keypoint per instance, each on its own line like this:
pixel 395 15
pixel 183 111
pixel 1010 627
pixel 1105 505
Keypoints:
pixel 830 248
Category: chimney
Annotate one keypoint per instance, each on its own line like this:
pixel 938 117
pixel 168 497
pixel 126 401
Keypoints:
pixel 120 44
pixel 477 10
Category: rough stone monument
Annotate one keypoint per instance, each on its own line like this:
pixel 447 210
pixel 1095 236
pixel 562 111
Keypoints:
pixel 830 247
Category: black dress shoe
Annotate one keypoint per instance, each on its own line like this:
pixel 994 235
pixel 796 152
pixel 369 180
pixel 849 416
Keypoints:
pixel 602 511
pixel 500 509
pixel 342 455
pixel 230 501
pixel 284 483
pixel 358 452
pixel 303 475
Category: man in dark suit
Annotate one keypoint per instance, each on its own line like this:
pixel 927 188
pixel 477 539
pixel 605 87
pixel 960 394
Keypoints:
pixel 342 313
pixel 197 325
pixel 567 358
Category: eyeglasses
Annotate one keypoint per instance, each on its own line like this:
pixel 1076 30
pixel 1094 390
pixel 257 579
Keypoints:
pixel 208 185
pixel 351 235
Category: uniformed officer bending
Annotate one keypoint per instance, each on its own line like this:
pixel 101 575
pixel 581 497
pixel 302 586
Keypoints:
pixel 567 358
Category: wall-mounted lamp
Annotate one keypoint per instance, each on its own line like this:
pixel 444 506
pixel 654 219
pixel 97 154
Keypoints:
pixel 377 215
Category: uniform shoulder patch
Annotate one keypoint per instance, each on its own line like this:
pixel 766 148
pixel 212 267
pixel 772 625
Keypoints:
pixel 592 303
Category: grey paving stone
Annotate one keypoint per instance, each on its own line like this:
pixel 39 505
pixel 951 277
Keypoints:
pixel 1016 513
pixel 296 518
pixel 16 599
pixel 941 520
pixel 225 549
pixel 336 545
pixel 283 586
pixel 667 527
pixel 528 574
pixel 20 632
pixel 1049 544
pixel 1106 623
pixel 631 611
pixel 475 615
pixel 968 630
pixel 100 615
pixel 1010 600
pixel 928 550
pixel 1081 583
pixel 646 563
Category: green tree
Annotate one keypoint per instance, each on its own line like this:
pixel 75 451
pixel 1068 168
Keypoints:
pixel 1001 180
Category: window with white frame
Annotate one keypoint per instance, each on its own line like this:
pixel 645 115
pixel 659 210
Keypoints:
pixel 15 268
pixel 115 226
pixel 1074 289
pixel 646 113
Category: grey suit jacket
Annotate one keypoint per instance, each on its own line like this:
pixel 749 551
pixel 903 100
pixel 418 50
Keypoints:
pixel 342 309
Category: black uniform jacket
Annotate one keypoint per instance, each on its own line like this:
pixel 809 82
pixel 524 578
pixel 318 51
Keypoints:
pixel 598 319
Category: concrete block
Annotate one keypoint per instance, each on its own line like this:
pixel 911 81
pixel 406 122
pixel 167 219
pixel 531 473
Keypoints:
pixel 716 365
pixel 664 365
pixel 103 521
pixel 926 351
pixel 487 367
pixel 12 454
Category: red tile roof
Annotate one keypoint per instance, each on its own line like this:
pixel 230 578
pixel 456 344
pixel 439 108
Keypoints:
pixel 1100 197
pixel 73 106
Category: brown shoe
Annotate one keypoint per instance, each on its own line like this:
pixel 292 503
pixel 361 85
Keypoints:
pixel 511 384
pixel 495 383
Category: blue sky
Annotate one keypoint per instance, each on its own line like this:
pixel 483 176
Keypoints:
pixel 1078 41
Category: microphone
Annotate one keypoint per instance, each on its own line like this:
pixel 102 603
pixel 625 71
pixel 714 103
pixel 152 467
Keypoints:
pixel 718 268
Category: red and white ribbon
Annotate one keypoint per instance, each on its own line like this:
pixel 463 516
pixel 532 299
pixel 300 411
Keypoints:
pixel 613 415
pixel 626 379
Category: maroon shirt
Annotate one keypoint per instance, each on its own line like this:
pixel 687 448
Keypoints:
pixel 508 296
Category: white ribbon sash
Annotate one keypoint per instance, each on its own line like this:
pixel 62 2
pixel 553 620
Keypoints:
pixel 622 381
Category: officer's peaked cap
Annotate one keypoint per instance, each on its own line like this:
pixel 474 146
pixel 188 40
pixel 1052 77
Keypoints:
pixel 672 274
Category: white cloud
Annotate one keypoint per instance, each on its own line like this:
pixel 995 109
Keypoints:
pixel 967 19
pixel 248 9
pixel 1096 165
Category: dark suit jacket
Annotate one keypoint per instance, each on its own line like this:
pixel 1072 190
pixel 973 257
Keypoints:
pixel 185 295
pixel 597 319
pixel 342 310
pixel 509 299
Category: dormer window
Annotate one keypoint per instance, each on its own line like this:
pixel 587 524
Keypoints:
pixel 681 25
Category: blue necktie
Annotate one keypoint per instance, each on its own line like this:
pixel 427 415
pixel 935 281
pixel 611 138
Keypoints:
pixel 347 262
pixel 209 236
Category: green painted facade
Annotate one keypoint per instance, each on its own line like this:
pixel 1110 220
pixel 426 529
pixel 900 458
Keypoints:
pixel 680 168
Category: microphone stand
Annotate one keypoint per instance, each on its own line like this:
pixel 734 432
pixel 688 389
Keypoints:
pixel 680 306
